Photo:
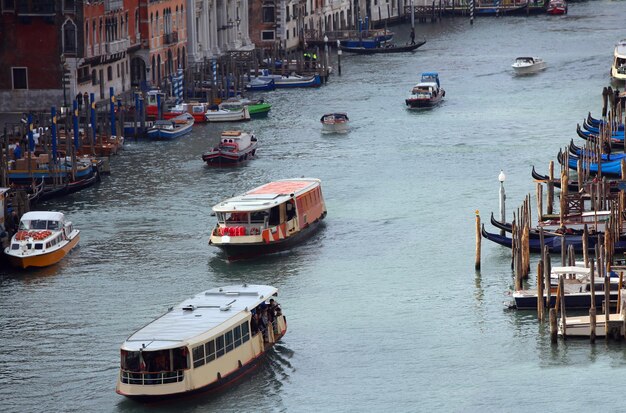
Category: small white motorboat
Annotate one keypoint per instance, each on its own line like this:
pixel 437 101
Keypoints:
pixel 528 65
pixel 216 114
pixel 336 122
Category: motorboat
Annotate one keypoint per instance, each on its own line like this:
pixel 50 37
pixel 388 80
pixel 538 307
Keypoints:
pixel 43 238
pixel 269 218
pixel 528 65
pixel 336 122
pixel 172 128
pixel 256 107
pixel 234 147
pixel 427 93
pixel 216 114
pixel 202 344
pixel 557 7
pixel 256 84
pixel 618 69
pixel 291 80
pixel 195 109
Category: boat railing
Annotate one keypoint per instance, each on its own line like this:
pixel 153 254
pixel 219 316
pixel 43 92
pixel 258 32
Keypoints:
pixel 151 378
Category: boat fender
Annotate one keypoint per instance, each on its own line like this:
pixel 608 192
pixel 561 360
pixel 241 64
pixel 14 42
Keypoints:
pixel 254 231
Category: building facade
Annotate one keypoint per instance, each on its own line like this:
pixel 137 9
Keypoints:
pixel 217 26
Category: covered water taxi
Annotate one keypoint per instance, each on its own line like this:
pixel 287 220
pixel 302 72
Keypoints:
pixel 43 239
pixel 269 218
pixel 202 344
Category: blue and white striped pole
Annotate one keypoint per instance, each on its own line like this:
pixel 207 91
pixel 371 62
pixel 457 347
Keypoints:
pixel 471 12
pixel 75 124
pixel 178 86
pixel 92 99
pixel 112 100
pixel 31 139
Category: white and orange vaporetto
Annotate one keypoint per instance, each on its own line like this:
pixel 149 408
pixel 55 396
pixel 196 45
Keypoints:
pixel 269 218
pixel 43 239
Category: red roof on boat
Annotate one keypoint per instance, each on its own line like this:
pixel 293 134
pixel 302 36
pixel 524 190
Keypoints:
pixel 280 187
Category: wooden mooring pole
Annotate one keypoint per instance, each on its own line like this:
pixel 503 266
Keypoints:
pixel 478 242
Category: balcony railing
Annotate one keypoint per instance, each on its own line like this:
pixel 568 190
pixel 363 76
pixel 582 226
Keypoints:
pixel 117 46
pixel 171 38
pixel 110 5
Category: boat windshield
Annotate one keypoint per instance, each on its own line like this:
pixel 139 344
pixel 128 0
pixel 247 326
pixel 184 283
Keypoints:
pixel 154 361
pixel 233 217
pixel 39 224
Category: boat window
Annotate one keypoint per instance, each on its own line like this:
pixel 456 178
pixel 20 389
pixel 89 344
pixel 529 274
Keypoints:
pixel 229 341
pixel 210 350
pixel 15 246
pixel 258 216
pixel 219 346
pixel 180 358
pixel 130 360
pixel 274 216
pixel 233 217
pixel 198 356
pixel 48 244
pixel 237 336
pixel 291 210
pixel 53 225
pixel 38 246
pixel 245 332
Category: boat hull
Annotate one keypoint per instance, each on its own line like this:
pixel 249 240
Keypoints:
pixel 244 251
pixel 572 301
pixel 529 70
pixel 423 103
pixel 160 134
pixel 219 158
pixel 43 260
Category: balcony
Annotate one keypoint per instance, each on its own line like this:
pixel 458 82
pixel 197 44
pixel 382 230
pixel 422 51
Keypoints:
pixel 117 46
pixel 36 8
pixel 170 38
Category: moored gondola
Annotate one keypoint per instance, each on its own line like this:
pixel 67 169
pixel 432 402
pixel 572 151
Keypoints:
pixel 383 49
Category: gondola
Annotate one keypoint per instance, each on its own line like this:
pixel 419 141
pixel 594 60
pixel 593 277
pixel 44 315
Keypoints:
pixel 553 243
pixel 613 168
pixel 616 141
pixel 578 152
pixel 383 49
pixel 596 128
pixel 597 122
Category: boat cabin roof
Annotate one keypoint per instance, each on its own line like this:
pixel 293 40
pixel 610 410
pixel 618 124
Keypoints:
pixel 620 48
pixel 43 216
pixel 209 313
pixel 268 195
pixel 571 270
pixel 430 77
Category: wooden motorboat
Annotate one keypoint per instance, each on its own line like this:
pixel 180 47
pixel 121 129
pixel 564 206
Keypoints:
pixel 269 218
pixel 43 239
pixel 528 65
pixel 336 122
pixel 171 128
pixel 215 114
pixel 235 147
pixel 202 344
pixel 427 93
pixel 556 7
pixel 256 107
pixel 384 48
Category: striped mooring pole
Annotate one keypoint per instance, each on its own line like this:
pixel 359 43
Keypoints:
pixel 472 12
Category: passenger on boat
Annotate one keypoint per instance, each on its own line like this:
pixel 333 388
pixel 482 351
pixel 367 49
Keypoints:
pixel 254 323
pixel 17 152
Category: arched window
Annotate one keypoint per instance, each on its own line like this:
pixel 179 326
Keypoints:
pixel 152 25
pixel 69 37
pixel 94 78
pixel 109 73
pixel 153 69
pixel 157 29
pixel 87 33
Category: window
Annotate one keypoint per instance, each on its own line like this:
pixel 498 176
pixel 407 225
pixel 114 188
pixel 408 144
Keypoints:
pixel 109 73
pixel 219 346
pixel 69 37
pixel 198 356
pixel 118 70
pixel 38 246
pixel 210 351
pixel 267 35
pixel 268 13
pixel 8 5
pixel 69 5
pixel 229 341
pixel 237 336
pixel 94 78
pixel 20 78
pixel 245 332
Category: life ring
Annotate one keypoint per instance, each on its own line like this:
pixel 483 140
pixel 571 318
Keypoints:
pixel 254 231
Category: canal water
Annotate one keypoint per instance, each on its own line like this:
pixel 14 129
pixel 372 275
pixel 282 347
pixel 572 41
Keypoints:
pixel 385 310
